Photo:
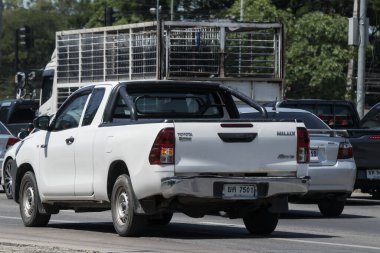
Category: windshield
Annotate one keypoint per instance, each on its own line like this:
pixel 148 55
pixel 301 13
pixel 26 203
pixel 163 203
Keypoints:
pixel 4 130
pixel 372 118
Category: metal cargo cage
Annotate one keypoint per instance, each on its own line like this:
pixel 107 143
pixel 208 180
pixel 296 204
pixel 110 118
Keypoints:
pixel 171 50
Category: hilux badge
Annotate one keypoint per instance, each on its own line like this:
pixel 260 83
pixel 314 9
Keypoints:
pixel 286 133
pixel 185 136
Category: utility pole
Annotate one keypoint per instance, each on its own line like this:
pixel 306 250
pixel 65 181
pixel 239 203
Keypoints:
pixel 171 10
pixel 363 30
pixel 241 10
pixel 350 69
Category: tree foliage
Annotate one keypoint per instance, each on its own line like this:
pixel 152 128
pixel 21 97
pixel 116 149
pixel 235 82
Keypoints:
pixel 316 44
pixel 316 32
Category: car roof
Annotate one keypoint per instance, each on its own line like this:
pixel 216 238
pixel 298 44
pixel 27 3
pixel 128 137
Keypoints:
pixel 270 109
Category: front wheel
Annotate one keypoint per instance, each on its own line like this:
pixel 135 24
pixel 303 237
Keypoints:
pixel 261 222
pixel 331 207
pixel 125 221
pixel 29 200
pixel 8 179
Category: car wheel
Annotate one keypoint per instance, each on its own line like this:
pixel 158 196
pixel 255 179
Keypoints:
pixel 29 200
pixel 8 179
pixel 125 221
pixel 331 207
pixel 160 220
pixel 261 222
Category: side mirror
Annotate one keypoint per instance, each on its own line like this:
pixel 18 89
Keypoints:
pixel 42 122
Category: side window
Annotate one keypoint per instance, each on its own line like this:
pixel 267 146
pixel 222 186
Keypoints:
pixel 121 109
pixel 93 105
pixel 71 114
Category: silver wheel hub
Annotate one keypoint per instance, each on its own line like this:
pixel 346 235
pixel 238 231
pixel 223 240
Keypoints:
pixel 28 201
pixel 122 208
pixel 8 179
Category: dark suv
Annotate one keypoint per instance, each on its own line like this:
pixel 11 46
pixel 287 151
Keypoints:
pixel 16 114
pixel 338 114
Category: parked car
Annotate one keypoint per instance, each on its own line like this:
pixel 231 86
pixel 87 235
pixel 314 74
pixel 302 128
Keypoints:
pixel 17 114
pixel 6 141
pixel 364 135
pixel 332 168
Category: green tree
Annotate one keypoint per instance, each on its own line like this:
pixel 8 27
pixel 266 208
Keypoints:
pixel 317 56
pixel 316 45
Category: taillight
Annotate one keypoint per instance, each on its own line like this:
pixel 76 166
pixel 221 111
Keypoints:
pixel 303 145
pixel 345 151
pixel 162 151
pixel 374 137
pixel 11 141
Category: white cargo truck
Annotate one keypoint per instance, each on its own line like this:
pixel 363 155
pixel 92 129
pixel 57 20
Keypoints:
pixel 245 56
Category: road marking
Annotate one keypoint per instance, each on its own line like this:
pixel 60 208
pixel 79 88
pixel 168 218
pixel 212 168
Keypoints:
pixel 58 221
pixel 298 240
pixel 10 217
pixel 327 243
pixel 242 226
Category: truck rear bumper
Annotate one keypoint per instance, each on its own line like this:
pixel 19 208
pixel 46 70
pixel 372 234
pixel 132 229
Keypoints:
pixel 212 186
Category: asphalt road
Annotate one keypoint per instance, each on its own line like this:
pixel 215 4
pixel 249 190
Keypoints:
pixel 303 229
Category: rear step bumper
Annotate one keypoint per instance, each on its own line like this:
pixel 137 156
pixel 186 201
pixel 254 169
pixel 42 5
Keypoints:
pixel 212 186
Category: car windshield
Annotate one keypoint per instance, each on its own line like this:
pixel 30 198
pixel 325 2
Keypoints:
pixel 4 130
pixel 310 120
pixel 372 119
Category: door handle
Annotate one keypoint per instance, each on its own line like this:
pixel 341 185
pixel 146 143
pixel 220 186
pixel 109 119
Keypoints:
pixel 69 140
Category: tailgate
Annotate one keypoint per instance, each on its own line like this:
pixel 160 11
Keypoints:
pixel 236 147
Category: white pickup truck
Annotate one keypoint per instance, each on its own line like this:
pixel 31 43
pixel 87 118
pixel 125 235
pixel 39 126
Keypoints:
pixel 146 149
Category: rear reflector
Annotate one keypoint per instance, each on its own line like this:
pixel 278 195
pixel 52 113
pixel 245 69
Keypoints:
pixel 162 151
pixel 303 145
pixel 11 141
pixel 345 151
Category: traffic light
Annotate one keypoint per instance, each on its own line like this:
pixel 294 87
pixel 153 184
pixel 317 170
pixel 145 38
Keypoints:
pixel 25 36
pixel 108 17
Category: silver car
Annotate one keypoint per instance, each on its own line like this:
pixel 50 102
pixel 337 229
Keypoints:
pixel 332 167
pixel 6 141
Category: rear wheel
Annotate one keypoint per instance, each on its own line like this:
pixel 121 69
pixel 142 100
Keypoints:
pixel 331 207
pixel 29 200
pixel 125 221
pixel 261 222
pixel 8 179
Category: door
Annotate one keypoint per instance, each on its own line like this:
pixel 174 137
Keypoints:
pixel 57 159
pixel 84 176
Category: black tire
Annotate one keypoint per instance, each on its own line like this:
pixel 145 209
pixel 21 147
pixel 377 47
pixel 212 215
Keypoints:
pixel 8 179
pixel 125 221
pixel 331 208
pixel 29 200
pixel 160 220
pixel 261 222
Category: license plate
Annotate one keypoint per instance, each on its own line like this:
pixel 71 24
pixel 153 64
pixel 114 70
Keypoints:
pixel 373 174
pixel 239 191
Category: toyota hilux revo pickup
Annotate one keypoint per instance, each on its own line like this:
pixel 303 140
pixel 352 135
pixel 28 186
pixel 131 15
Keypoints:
pixel 146 149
